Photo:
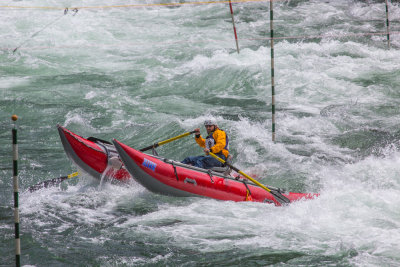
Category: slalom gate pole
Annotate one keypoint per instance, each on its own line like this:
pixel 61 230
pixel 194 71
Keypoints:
pixel 234 27
pixel 387 23
pixel 271 27
pixel 15 183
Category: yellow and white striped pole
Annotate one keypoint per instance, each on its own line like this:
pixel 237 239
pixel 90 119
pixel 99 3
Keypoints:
pixel 15 183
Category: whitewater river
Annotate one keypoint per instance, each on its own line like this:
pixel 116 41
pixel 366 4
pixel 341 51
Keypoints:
pixel 142 71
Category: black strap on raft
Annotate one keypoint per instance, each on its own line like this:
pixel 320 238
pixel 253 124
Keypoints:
pixel 106 150
pixel 210 174
pixel 176 174
pixel 248 192
pixel 94 139
pixel 153 150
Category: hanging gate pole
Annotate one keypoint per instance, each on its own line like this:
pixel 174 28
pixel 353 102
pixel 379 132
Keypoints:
pixel 387 23
pixel 15 184
pixel 271 27
pixel 234 27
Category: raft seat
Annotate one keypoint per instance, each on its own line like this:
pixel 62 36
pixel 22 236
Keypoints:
pixel 226 170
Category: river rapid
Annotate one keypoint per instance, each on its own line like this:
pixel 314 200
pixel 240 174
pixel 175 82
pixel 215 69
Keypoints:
pixel 145 71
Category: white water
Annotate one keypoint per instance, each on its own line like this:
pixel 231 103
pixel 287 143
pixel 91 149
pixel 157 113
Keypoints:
pixel 146 74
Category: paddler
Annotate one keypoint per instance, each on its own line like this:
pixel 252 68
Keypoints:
pixel 217 142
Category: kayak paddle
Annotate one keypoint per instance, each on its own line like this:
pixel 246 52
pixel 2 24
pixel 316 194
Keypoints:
pixel 278 196
pixel 51 182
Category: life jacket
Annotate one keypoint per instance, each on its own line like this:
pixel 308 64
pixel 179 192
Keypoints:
pixel 217 142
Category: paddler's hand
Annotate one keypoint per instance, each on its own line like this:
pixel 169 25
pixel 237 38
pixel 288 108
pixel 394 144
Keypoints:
pixel 197 132
pixel 207 151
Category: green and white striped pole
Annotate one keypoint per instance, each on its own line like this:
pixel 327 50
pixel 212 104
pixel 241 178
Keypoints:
pixel 387 24
pixel 15 182
pixel 271 27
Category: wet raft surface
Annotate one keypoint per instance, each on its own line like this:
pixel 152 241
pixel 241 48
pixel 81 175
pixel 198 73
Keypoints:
pixel 115 73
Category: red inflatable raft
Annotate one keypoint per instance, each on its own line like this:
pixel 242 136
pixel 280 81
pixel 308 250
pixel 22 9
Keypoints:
pixel 173 178
pixel 93 155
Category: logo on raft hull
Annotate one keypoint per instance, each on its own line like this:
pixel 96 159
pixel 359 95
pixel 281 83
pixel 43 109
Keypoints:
pixel 149 164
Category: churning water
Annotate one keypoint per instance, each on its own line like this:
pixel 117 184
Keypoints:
pixel 143 71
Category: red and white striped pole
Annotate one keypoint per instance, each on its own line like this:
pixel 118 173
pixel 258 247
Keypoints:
pixel 234 27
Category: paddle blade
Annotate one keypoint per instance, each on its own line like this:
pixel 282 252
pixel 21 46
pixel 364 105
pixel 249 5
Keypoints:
pixel 48 183
pixel 280 198
pixel 51 182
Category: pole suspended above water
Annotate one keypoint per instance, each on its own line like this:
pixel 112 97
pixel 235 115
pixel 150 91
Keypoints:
pixel 387 23
pixel 234 27
pixel 16 193
pixel 271 27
